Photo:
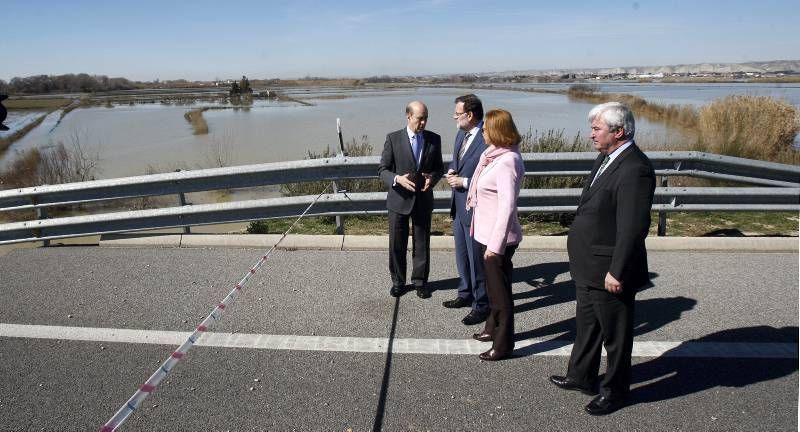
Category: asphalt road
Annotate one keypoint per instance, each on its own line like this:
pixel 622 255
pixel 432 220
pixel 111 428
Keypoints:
pixel 747 300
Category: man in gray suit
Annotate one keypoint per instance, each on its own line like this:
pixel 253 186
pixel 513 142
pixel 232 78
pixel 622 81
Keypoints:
pixel 467 150
pixel 608 259
pixel 410 166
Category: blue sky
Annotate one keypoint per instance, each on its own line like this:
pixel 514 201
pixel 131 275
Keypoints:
pixel 145 40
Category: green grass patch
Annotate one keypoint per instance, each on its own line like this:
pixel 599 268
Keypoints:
pixel 686 224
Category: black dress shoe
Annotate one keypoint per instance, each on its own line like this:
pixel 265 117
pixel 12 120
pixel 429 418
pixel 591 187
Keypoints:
pixel 602 405
pixel 493 355
pixel 423 291
pixel 474 317
pixel 457 303
pixel 396 291
pixel 482 337
pixel 565 383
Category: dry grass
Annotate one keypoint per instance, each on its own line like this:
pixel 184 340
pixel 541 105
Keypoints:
pixel 683 116
pixel 753 127
pixel 22 171
pixel 195 117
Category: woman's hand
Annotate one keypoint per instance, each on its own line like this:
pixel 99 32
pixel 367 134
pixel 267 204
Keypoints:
pixel 489 254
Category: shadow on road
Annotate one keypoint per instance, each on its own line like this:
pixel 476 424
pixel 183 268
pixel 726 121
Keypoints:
pixel 387 369
pixel 682 376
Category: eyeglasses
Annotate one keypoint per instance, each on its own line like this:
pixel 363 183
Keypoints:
pixel 459 114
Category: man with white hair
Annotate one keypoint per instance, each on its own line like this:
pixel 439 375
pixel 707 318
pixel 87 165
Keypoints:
pixel 608 259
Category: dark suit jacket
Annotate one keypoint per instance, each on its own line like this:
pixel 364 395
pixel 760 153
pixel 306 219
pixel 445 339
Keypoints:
pixel 397 159
pixel 612 221
pixel 458 202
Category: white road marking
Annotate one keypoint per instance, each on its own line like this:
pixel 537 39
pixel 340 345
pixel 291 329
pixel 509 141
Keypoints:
pixel 399 346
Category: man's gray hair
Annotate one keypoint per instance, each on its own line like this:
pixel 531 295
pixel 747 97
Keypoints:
pixel 615 115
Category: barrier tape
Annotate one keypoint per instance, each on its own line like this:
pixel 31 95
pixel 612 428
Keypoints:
pixel 216 314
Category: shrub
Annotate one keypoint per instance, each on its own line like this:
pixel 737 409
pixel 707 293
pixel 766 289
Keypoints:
pixel 352 148
pixel 753 127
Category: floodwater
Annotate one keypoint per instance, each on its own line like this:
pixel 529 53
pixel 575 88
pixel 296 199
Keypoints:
pixel 141 138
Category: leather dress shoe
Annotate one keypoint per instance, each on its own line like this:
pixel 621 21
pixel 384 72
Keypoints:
pixel 423 291
pixel 457 303
pixel 565 383
pixel 482 337
pixel 396 291
pixel 602 405
pixel 493 355
pixel 474 317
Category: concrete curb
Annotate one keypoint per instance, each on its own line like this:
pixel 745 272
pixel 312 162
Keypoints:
pixel 340 242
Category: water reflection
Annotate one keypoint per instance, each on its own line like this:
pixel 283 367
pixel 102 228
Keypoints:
pixel 134 138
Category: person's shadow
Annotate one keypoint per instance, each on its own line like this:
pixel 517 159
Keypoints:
pixel 650 314
pixel 686 369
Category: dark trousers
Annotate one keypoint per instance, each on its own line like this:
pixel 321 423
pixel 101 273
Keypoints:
pixel 398 246
pixel 469 261
pixel 603 318
pixel 500 322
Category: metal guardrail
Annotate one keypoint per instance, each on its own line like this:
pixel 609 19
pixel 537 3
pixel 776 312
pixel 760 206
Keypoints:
pixel 781 192
pixel 530 200
pixel 692 164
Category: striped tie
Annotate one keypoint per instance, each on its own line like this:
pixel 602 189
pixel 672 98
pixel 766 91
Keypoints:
pixel 463 149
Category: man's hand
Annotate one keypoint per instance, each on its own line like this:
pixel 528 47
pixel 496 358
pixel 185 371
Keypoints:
pixel 489 254
pixel 428 182
pixel 454 180
pixel 612 285
pixel 405 182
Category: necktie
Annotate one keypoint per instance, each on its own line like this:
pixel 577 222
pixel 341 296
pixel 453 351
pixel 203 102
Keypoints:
pixel 463 147
pixel 602 167
pixel 415 147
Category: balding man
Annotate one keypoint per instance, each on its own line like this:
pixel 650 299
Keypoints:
pixel 411 165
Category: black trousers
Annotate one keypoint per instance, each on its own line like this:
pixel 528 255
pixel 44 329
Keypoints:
pixel 603 318
pixel 398 246
pixel 500 322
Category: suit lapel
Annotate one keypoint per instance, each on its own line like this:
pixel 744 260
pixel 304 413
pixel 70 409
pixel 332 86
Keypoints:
pixel 406 150
pixel 595 167
pixel 607 174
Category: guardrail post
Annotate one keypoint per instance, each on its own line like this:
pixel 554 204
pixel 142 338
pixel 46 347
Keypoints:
pixel 182 201
pixel 662 216
pixel 41 213
pixel 339 219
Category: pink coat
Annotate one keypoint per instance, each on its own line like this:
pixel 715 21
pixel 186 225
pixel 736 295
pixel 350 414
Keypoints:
pixel 494 219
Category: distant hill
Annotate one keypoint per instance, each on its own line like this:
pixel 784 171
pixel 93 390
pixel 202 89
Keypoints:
pixel 792 66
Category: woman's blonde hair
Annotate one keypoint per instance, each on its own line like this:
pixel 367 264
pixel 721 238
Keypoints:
pixel 500 128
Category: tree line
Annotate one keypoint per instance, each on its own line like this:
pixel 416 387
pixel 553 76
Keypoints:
pixel 69 83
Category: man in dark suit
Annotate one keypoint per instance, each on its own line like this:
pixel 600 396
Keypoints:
pixel 467 151
pixel 410 166
pixel 608 259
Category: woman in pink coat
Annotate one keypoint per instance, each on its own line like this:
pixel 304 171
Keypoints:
pixel 495 226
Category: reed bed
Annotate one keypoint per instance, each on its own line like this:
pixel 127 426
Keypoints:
pixel 195 117
pixel 753 127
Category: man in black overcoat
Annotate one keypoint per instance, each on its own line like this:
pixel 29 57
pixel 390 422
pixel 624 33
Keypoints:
pixel 608 259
